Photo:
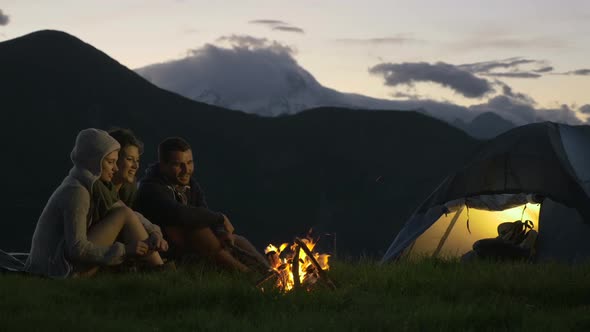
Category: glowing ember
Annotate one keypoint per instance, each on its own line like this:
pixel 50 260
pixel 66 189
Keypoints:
pixel 294 266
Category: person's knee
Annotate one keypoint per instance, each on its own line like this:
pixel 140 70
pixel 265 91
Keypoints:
pixel 130 216
pixel 241 241
pixel 122 211
pixel 119 215
pixel 212 245
pixel 132 226
pixel 205 242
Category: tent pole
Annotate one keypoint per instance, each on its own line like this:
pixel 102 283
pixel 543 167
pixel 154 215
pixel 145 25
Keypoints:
pixel 443 239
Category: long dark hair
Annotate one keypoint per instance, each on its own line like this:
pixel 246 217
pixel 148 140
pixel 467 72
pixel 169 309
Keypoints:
pixel 125 137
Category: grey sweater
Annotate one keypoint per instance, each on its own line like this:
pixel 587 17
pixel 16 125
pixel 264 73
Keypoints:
pixel 60 237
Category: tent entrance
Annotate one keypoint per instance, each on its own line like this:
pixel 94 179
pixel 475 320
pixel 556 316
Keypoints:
pixel 450 237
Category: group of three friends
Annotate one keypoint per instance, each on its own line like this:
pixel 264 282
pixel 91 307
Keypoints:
pixel 99 216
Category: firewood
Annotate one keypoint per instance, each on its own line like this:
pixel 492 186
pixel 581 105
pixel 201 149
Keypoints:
pixel 321 273
pixel 273 259
pixel 268 276
pixel 295 267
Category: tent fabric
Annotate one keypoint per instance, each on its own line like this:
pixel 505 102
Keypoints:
pixel 563 236
pixel 537 160
pixel 528 159
pixel 421 222
pixel 576 141
pixel 499 202
pixel 449 236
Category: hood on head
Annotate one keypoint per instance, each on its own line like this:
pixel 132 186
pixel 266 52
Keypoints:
pixel 92 145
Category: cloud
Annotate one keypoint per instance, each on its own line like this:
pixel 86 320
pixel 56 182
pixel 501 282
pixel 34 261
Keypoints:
pixel 489 66
pixel 272 23
pixel 288 29
pixel 246 74
pixel 244 41
pixel 447 75
pixel 512 109
pixel 520 112
pixel 261 76
pixel 405 95
pixel 397 40
pixel 516 107
pixel 579 72
pixel 544 69
pixel 278 25
pixel 507 91
pixel 513 65
pixel 510 43
pixel 254 43
pixel 4 19
pixel 514 75
pixel 564 114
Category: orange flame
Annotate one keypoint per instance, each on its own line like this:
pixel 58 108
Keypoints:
pixel 306 272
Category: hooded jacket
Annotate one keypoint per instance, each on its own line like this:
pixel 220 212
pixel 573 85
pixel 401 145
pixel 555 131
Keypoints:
pixel 60 237
pixel 157 200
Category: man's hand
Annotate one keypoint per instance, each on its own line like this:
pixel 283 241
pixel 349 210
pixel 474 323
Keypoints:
pixel 226 238
pixel 156 242
pixel 227 224
pixel 136 248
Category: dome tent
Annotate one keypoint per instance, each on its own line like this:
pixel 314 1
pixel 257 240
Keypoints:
pixel 539 172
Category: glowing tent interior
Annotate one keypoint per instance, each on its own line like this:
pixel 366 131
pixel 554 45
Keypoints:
pixel 538 172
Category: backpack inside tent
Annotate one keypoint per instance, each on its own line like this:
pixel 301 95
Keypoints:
pixel 538 172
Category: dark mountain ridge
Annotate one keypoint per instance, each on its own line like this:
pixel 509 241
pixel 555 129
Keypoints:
pixel 485 126
pixel 355 173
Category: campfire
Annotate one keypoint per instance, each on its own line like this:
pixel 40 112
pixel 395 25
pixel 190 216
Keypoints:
pixel 297 265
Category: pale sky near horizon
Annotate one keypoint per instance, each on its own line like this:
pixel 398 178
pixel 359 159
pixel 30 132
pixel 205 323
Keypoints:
pixel 338 41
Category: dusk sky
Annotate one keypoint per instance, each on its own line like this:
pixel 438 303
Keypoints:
pixel 462 52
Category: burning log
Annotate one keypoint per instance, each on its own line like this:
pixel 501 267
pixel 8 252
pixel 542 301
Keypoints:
pixel 299 266
pixel 270 275
pixel 273 259
pixel 321 273
pixel 295 269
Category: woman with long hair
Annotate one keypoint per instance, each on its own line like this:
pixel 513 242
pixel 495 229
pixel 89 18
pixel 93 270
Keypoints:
pixel 70 239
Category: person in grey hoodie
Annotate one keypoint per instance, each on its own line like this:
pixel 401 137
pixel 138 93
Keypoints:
pixel 67 241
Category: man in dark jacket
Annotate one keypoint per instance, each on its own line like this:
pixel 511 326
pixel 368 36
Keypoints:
pixel 171 198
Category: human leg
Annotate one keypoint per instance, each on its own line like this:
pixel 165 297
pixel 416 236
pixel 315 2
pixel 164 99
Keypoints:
pixel 203 242
pixel 103 233
pixel 122 223
pixel 243 243
pixel 135 231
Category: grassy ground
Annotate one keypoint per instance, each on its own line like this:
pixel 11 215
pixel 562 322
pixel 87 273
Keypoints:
pixel 429 296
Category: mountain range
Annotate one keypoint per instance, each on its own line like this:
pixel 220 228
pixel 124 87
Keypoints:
pixel 349 172
pixel 263 78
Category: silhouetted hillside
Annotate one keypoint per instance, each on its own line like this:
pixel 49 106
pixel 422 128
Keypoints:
pixel 357 173
pixel 486 125
pixel 489 125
